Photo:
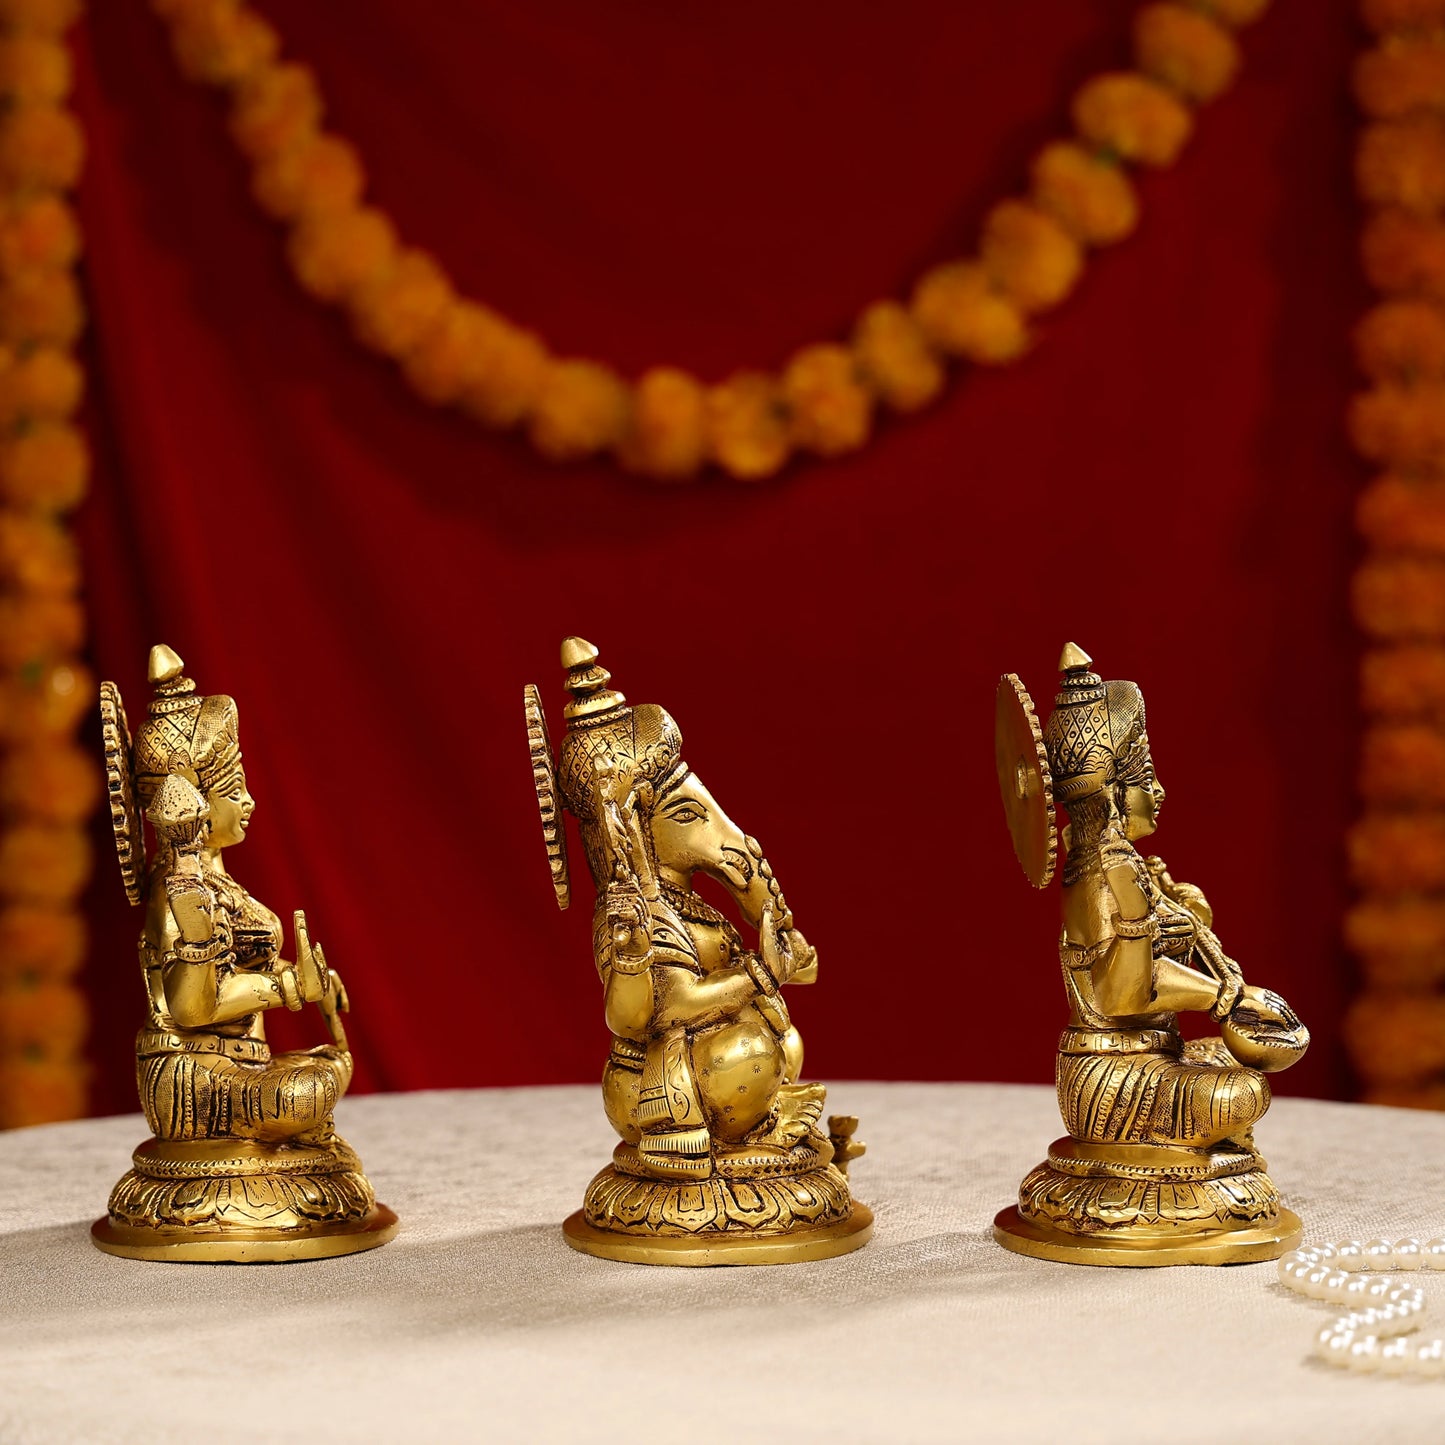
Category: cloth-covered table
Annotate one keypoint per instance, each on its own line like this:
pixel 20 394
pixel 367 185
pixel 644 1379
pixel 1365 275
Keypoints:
pixel 479 1323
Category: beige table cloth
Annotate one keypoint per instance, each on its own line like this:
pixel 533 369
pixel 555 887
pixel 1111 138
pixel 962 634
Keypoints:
pixel 479 1323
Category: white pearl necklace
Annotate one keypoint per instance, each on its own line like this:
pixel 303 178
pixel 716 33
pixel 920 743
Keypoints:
pixel 1383 1310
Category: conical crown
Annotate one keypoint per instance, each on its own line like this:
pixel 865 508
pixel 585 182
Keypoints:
pixel 184 733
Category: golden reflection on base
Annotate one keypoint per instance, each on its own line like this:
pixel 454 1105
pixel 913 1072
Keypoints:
pixel 1247 1245
pixel 708 1249
pixel 233 1247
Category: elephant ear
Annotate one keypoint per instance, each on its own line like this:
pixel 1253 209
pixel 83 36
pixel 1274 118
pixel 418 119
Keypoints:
pixel 1024 781
pixel 544 781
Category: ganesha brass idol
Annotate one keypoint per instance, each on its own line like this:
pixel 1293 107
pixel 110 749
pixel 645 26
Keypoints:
pixel 722 1158
pixel 1159 1164
pixel 244 1163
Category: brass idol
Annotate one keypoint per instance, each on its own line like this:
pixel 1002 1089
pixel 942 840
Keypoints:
pixel 722 1159
pixel 1159 1164
pixel 244 1164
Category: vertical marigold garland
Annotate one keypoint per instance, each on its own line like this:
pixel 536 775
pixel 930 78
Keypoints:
pixel 1396 1027
pixel 49 786
pixel 668 424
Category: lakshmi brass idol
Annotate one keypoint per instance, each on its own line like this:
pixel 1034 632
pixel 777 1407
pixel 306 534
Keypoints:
pixel 244 1164
pixel 1159 1165
pixel 721 1159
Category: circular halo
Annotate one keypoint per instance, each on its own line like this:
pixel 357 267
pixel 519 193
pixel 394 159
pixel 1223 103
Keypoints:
pixel 544 780
pixel 1024 781
pixel 120 791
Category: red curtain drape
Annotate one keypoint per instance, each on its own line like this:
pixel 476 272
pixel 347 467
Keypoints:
pixel 1164 480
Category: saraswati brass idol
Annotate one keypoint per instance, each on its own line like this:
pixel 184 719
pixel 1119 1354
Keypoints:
pixel 244 1164
pixel 721 1159
pixel 1159 1164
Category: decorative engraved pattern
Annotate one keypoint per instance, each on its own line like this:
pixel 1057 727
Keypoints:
pixel 120 792
pixel 544 780
pixel 1024 781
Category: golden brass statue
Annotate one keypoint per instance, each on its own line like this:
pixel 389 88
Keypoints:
pixel 245 1164
pixel 721 1159
pixel 1159 1165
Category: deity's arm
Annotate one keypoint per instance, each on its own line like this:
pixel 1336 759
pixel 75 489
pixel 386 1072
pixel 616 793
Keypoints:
pixel 1128 977
pixel 687 1000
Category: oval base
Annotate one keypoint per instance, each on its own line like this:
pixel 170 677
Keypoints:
pixel 795 1247
pixel 1246 1245
pixel 235 1246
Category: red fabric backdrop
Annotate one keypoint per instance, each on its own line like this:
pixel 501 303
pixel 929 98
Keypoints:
pixel 1163 480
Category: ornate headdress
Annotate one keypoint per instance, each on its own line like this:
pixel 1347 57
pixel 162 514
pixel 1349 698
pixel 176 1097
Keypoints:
pixel 193 736
pixel 1095 735
pixel 634 745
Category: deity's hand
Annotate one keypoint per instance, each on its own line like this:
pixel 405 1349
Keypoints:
pixel 806 968
pixel 1263 1031
pixel 776 941
pixel 628 924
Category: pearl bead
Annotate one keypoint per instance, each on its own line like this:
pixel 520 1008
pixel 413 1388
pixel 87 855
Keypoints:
pixel 1377 1289
pixel 1347 1255
pixel 1394 1358
pixel 1314 1282
pixel 1334 1282
pixel 1407 1254
pixel 1378 1254
pixel 1324 1252
pixel 1433 1251
pixel 1430 1358
pixel 1364 1353
pixel 1354 1291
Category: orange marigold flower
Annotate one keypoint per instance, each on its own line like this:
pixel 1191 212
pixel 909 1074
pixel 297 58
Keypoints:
pixel 1402 163
pixel 41 147
pixel 1089 195
pixel 47 467
pixel 40 308
pixel 219 42
pixel 668 435
pixel 45 701
pixel 320 173
pixel 1400 942
pixel 1401 75
pixel 1185 50
pixel 1402 340
pixel 41 1091
pixel 1030 257
pixel 958 310
pixel 1402 252
pixel 337 252
pixel 43 17
pixel 1396 1038
pixel 43 1020
pixel 893 353
pixel 509 368
pixel 747 426
pixel 395 309
pixel 581 409
pixel 50 782
pixel 446 357
pixel 829 407
pixel 40 943
pixel 34 67
pixel 43 863
pixel 1406 1096
pixel 1383 15
pixel 42 231
pixel 1403 764
pixel 1234 12
pixel 34 630
pixel 1401 426
pixel 1401 516
pixel 37 555
pixel 1396 599
pixel 1407 681
pixel 1133 117
pixel 277 107
pixel 44 385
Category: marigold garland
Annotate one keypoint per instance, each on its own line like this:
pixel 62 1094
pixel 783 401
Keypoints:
pixel 1395 1029
pixel 667 424
pixel 49 786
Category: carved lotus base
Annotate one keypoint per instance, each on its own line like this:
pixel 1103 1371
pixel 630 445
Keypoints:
pixel 772 1216
pixel 240 1201
pixel 1107 1205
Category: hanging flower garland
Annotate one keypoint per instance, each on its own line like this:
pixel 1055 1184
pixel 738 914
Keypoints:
pixel 667 424
pixel 1396 1028
pixel 48 784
